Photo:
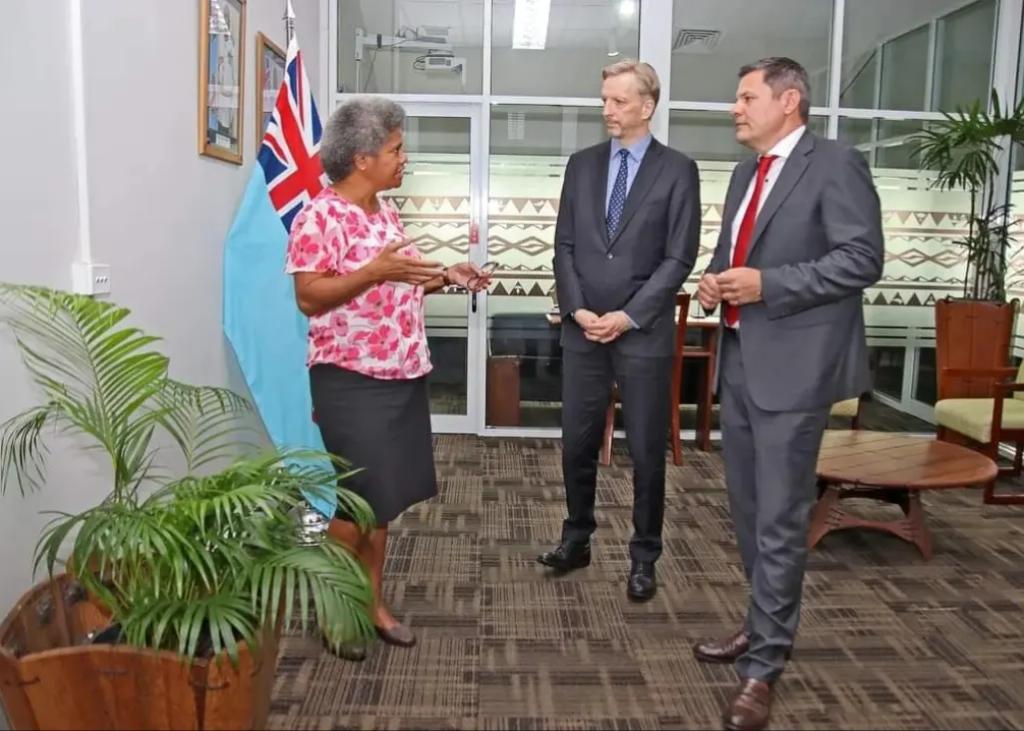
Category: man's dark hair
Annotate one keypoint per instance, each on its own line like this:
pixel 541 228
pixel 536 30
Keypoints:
pixel 782 74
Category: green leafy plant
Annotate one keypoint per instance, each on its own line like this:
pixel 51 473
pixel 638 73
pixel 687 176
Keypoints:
pixel 963 149
pixel 195 562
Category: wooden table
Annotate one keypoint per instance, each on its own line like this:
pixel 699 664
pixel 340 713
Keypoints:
pixel 892 468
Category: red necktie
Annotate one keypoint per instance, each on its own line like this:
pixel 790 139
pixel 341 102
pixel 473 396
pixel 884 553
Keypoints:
pixel 739 253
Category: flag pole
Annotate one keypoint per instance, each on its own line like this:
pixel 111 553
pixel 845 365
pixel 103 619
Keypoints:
pixel 312 524
pixel 289 22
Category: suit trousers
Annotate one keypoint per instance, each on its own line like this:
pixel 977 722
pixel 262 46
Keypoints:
pixel 644 391
pixel 770 460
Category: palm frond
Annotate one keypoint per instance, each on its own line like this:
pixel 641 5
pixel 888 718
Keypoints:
pixel 222 620
pixel 95 370
pixel 965 149
pixel 21 449
pixel 114 541
pixel 216 510
pixel 327 577
pixel 203 420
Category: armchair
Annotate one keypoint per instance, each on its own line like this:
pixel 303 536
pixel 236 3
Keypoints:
pixel 848 409
pixel 980 408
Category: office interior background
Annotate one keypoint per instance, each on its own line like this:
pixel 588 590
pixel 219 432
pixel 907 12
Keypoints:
pixel 490 137
pixel 101 164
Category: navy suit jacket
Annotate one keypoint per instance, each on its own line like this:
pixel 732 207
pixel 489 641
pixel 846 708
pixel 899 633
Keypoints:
pixel 642 266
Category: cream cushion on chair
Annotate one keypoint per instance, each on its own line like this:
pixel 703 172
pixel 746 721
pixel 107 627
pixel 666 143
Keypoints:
pixel 847 408
pixel 972 417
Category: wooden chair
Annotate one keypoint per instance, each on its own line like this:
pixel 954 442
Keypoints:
pixel 683 308
pixel 848 409
pixel 990 412
pixel 980 395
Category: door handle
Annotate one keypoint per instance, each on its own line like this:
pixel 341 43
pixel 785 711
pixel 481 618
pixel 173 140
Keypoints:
pixel 472 302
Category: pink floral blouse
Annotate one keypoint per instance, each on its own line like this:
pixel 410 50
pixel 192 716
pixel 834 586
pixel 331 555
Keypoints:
pixel 380 333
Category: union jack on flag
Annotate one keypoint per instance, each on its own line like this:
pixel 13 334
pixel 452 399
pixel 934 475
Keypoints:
pixel 290 153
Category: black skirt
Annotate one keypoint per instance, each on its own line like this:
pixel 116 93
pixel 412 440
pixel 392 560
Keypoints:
pixel 381 426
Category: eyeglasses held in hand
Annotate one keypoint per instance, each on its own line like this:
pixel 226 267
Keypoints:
pixel 485 272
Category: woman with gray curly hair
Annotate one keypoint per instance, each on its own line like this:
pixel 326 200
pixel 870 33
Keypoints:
pixel 362 283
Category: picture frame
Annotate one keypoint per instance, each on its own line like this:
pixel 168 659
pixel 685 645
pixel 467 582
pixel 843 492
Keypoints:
pixel 270 70
pixel 222 79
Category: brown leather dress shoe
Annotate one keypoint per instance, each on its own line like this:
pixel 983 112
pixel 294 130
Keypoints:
pixel 723 651
pixel 728 650
pixel 750 709
pixel 399 635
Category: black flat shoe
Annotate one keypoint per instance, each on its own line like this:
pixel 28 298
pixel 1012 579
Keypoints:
pixel 399 635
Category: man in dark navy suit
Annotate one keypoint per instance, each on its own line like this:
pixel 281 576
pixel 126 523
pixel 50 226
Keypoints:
pixel 626 240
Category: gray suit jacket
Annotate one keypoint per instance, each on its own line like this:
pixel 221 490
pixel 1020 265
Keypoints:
pixel 640 269
pixel 818 244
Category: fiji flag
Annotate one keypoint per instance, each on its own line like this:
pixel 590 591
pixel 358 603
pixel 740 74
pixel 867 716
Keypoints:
pixel 261 319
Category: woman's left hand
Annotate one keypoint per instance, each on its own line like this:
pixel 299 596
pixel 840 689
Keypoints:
pixel 469 275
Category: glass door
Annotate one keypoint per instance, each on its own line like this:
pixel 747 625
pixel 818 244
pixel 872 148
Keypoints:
pixel 439 203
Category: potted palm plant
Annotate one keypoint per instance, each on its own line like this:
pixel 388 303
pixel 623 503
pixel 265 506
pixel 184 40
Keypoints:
pixel 174 587
pixel 963 151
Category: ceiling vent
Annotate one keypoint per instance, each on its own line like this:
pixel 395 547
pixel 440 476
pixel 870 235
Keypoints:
pixel 692 40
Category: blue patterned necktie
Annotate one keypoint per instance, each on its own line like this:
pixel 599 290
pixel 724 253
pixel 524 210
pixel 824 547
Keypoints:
pixel 618 199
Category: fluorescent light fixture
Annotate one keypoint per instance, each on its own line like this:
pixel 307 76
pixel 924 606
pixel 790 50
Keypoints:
pixel 530 24
pixel 627 8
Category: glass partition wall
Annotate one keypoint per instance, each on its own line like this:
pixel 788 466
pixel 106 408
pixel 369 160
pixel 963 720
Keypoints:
pixel 880 72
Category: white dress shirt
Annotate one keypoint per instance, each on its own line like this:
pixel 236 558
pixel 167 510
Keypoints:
pixel 782 150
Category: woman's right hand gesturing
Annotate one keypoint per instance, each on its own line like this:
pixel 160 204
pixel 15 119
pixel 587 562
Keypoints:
pixel 391 265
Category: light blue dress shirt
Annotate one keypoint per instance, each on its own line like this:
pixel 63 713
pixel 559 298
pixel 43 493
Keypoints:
pixel 636 155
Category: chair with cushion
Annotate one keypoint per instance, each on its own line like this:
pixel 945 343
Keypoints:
pixel 982 407
pixel 848 409
pixel 682 310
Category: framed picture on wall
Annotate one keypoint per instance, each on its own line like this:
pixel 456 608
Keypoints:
pixel 221 78
pixel 270 68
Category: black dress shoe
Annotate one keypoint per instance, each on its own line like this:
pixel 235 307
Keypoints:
pixel 567 556
pixel 641 584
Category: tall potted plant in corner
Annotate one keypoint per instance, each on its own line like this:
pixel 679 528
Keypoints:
pixel 963 151
pixel 178 582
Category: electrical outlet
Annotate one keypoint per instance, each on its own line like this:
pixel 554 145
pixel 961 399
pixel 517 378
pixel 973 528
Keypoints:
pixel 90 278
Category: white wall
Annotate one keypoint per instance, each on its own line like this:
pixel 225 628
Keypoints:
pixel 159 212
pixel 37 200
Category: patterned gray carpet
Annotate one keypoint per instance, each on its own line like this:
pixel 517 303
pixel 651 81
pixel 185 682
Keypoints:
pixel 887 640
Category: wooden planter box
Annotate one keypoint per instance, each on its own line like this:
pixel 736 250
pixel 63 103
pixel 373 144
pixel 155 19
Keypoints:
pixel 50 680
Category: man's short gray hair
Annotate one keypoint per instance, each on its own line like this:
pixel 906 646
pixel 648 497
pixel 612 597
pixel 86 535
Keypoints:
pixel 645 75
pixel 358 127
pixel 782 74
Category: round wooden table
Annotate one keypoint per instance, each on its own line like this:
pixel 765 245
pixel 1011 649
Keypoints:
pixel 893 468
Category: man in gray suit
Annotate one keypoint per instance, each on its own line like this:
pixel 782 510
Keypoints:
pixel 625 241
pixel 801 239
